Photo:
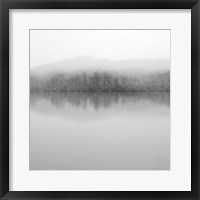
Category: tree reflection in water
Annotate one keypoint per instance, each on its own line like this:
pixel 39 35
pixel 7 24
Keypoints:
pixel 101 100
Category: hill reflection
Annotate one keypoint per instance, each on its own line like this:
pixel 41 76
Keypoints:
pixel 98 100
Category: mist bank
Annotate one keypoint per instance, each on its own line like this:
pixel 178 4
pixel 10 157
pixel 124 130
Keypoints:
pixel 102 82
pixel 89 65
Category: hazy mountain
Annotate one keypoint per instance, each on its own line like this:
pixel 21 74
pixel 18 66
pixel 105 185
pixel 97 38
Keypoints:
pixel 90 65
pixel 86 74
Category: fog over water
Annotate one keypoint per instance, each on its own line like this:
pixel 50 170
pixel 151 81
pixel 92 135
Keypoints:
pixel 100 99
pixel 100 131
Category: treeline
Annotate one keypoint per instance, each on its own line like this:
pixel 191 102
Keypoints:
pixel 102 82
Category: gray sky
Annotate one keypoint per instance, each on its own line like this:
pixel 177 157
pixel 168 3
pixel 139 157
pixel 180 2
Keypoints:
pixel 48 46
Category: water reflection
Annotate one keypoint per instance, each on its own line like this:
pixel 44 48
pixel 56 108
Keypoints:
pixel 100 131
pixel 98 101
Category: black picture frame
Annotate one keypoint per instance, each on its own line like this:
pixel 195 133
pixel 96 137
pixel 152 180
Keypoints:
pixel 5 5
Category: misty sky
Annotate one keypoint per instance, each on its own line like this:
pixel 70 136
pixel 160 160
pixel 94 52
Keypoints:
pixel 48 46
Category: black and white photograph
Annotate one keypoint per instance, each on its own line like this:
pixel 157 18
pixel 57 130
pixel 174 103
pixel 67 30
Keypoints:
pixel 99 99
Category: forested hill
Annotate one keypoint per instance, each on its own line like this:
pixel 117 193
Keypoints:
pixel 87 64
pixel 102 82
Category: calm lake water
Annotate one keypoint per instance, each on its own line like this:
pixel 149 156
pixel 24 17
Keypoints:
pixel 100 131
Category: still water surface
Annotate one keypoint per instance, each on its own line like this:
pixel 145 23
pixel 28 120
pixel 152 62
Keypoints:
pixel 100 131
